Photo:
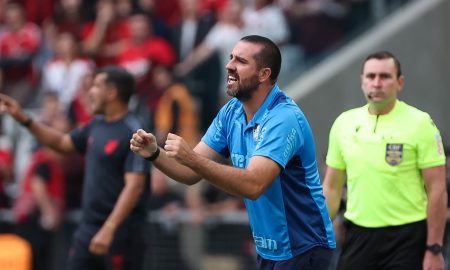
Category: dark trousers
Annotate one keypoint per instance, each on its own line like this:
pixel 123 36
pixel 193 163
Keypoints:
pixel 127 251
pixel 390 248
pixel 317 258
pixel 40 239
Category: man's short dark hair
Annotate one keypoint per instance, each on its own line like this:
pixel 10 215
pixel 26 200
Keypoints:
pixel 121 79
pixel 384 55
pixel 269 56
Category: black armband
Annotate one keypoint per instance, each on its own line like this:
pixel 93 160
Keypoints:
pixel 154 155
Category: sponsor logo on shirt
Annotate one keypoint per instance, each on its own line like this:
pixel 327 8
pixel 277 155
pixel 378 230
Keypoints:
pixel 265 243
pixel 217 135
pixel 290 143
pixel 238 160
pixel 111 146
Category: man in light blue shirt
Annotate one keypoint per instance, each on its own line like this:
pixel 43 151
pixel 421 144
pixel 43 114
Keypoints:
pixel 271 147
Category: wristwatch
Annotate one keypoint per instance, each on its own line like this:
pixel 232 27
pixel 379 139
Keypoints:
pixel 434 248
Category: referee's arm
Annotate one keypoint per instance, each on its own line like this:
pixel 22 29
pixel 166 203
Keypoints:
pixel 437 203
pixel 333 185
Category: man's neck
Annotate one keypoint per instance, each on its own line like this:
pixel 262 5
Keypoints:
pixel 252 105
pixel 115 112
pixel 381 109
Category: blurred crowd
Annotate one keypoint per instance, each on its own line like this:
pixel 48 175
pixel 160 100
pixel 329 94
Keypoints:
pixel 175 49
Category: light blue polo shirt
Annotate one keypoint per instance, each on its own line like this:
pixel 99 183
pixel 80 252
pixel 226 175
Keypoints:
pixel 291 216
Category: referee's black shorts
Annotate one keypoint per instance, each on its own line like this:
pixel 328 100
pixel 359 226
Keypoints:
pixel 396 247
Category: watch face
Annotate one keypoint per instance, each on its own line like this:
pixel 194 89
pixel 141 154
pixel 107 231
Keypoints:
pixel 435 248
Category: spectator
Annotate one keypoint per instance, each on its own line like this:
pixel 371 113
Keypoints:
pixel 39 208
pixel 79 111
pixel 38 11
pixel 160 27
pixel 6 178
pixel 191 29
pixel 265 17
pixel 176 111
pixel 67 18
pixel 360 16
pixel 140 54
pixel 64 73
pixel 103 38
pixel 221 38
pixel 166 10
pixel 19 43
pixel 317 26
pixel 202 78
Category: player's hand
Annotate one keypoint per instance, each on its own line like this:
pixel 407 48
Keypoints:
pixel 106 14
pixel 143 143
pixel 102 240
pixel 11 106
pixel 50 219
pixel 176 147
pixel 433 261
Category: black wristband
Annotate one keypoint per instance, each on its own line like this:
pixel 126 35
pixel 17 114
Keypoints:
pixel 27 122
pixel 154 155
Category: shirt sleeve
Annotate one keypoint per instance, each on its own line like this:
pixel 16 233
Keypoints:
pixel 430 151
pixel 334 155
pixel 280 138
pixel 80 137
pixel 215 137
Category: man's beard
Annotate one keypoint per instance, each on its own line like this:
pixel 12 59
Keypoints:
pixel 245 88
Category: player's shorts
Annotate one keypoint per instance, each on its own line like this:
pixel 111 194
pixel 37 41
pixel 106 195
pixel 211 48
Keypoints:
pixel 395 247
pixel 317 258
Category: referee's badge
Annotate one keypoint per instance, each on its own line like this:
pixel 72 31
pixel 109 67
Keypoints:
pixel 394 153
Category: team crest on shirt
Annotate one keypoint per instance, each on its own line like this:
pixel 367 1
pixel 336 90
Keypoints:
pixel 111 146
pixel 394 153
pixel 256 132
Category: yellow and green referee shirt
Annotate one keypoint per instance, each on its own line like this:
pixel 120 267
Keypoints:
pixel 382 156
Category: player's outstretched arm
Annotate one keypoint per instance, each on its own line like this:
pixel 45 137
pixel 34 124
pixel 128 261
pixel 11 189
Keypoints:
pixel 46 135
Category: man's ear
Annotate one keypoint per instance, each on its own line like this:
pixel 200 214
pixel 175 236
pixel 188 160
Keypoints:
pixel 401 82
pixel 264 74
pixel 112 92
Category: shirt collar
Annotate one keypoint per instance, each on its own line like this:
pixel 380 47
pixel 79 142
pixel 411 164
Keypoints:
pixel 398 104
pixel 262 109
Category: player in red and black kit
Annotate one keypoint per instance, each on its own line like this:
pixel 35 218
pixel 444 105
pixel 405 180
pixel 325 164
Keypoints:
pixel 116 181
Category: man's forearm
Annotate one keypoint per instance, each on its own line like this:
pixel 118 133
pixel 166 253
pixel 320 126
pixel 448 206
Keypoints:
pixel 235 181
pixel 436 211
pixel 125 204
pixel 47 136
pixel 175 170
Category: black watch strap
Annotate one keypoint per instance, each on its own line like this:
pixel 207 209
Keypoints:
pixel 155 155
pixel 434 248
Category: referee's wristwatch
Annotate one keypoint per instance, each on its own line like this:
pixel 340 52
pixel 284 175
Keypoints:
pixel 434 248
